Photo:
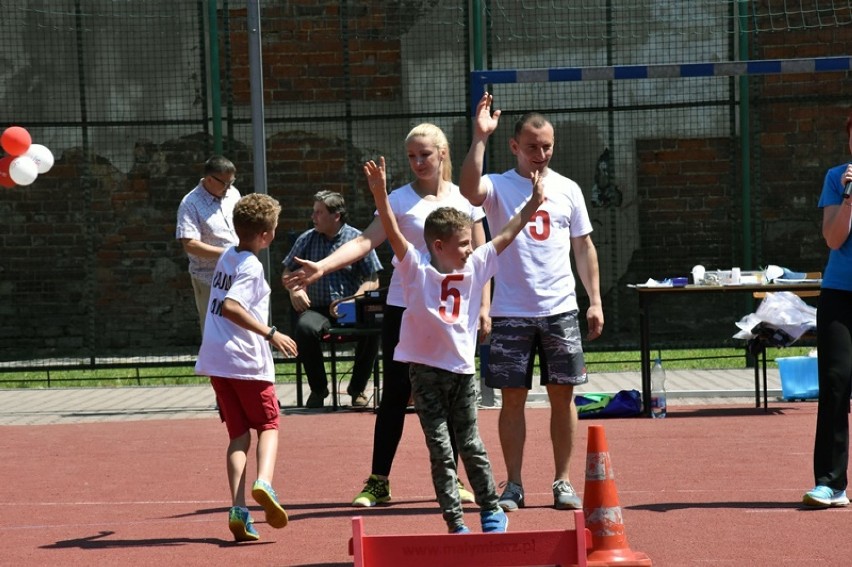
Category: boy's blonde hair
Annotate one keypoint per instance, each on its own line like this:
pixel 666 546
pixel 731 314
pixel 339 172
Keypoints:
pixel 254 214
pixel 444 222
pixel 437 137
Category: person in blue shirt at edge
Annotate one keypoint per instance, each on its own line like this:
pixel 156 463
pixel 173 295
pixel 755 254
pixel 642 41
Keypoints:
pixel 834 341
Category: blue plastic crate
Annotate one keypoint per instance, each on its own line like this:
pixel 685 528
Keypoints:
pixel 799 377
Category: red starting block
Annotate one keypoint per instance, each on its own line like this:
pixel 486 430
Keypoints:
pixel 511 549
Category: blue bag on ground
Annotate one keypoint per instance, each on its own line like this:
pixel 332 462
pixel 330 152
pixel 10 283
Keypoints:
pixel 625 403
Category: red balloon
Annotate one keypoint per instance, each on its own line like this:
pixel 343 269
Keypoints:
pixel 16 140
pixel 5 179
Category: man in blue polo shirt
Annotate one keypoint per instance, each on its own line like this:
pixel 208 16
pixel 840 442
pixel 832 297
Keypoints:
pixel 330 232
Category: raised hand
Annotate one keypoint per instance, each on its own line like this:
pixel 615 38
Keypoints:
pixel 486 121
pixel 376 176
pixel 537 187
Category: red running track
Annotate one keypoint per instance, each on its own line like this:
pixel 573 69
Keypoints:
pixel 707 486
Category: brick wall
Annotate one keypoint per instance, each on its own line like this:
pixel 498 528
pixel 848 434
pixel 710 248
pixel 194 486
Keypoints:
pixel 309 55
pixel 799 136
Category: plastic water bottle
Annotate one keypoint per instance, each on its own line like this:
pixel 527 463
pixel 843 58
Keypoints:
pixel 658 390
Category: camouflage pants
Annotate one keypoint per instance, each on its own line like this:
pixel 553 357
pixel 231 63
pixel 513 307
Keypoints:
pixel 442 397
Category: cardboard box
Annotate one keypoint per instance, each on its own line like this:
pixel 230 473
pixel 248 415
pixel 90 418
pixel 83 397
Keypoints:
pixel 799 377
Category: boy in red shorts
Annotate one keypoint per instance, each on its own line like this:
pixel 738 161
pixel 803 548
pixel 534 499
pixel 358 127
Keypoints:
pixel 235 354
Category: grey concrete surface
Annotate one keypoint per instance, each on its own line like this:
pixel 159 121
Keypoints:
pixel 85 405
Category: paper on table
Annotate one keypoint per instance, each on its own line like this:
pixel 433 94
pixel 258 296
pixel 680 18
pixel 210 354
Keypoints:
pixel 654 283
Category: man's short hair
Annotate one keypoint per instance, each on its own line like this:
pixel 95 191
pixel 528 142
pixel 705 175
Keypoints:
pixel 534 119
pixel 334 202
pixel 443 222
pixel 254 214
pixel 219 164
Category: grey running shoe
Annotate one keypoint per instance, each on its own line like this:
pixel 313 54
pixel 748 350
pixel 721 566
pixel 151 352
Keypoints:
pixel 565 497
pixel 512 497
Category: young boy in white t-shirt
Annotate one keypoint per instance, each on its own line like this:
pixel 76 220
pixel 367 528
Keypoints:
pixel 235 354
pixel 443 290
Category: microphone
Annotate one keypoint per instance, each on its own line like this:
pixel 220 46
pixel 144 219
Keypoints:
pixel 847 191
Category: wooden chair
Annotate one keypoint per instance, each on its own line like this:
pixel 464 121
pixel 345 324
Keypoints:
pixel 757 346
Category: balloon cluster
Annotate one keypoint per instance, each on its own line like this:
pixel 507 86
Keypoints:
pixel 25 160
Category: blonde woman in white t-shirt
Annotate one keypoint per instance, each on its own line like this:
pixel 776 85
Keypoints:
pixel 429 160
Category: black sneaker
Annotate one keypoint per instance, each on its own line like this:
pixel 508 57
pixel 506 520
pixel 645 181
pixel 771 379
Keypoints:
pixel 316 400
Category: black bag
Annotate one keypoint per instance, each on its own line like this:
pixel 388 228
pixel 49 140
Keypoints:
pixel 370 308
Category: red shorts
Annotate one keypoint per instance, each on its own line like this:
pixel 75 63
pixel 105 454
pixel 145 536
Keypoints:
pixel 246 404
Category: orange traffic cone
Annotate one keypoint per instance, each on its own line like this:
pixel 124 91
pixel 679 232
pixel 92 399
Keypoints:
pixel 603 513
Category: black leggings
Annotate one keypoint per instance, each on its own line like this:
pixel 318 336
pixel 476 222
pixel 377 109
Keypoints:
pixel 396 391
pixel 834 344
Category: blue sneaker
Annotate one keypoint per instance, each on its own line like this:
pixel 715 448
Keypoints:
pixel 266 497
pixel 241 525
pixel 462 529
pixel 825 497
pixel 495 521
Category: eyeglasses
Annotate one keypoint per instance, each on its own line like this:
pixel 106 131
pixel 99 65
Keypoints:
pixel 224 183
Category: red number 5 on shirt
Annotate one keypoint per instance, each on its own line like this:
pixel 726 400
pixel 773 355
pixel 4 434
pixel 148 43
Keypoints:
pixel 448 292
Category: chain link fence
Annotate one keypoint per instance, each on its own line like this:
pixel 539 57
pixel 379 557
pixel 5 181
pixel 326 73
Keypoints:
pixel 132 97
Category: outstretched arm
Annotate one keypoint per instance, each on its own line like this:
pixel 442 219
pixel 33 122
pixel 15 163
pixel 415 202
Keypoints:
pixel 377 180
pixel 470 179
pixel 522 217
pixel 347 254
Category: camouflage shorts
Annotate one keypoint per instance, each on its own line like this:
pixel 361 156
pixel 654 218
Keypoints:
pixel 557 339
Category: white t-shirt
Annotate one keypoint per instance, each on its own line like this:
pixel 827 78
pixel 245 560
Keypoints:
pixel 439 324
pixel 411 211
pixel 228 350
pixel 535 278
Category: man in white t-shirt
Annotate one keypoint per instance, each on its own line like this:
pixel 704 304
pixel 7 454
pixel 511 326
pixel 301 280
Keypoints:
pixel 535 303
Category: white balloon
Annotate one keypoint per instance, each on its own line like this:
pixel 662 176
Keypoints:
pixel 42 156
pixel 23 170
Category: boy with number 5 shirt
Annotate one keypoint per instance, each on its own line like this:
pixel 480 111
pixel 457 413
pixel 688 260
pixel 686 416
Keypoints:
pixel 443 290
